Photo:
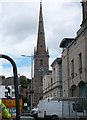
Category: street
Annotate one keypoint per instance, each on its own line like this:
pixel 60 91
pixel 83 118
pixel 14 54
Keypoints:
pixel 27 118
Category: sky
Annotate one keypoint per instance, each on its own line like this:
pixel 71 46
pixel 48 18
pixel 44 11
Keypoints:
pixel 19 27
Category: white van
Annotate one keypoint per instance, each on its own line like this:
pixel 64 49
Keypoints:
pixel 59 108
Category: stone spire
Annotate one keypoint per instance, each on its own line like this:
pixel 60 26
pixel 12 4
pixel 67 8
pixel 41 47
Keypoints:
pixel 41 46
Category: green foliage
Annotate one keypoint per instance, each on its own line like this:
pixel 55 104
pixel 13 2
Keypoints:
pixel 24 99
pixel 23 81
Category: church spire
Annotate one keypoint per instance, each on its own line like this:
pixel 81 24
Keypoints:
pixel 41 35
pixel 41 60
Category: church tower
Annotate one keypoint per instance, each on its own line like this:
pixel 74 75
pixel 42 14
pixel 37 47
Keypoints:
pixel 41 60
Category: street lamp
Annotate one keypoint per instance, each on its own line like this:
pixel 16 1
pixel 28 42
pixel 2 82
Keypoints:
pixel 31 78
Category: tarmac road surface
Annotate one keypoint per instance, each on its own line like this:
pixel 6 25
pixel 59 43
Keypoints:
pixel 27 118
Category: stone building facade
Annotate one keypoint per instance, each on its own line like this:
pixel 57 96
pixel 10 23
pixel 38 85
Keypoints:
pixel 74 60
pixel 52 80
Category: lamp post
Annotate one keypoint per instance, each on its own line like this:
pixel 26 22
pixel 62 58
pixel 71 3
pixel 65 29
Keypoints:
pixel 31 93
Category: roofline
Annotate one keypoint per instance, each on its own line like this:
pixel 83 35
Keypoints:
pixel 65 39
pixel 58 60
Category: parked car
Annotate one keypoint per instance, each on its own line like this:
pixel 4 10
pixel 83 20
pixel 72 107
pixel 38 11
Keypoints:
pixel 34 112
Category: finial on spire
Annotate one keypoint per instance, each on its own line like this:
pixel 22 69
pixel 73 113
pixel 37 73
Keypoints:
pixel 40 1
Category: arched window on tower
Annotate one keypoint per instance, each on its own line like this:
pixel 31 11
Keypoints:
pixel 41 33
pixel 41 62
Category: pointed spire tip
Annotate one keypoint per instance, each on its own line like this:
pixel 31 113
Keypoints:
pixel 40 1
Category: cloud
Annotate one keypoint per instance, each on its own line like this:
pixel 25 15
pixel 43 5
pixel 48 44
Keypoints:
pixel 24 70
pixel 60 1
pixel 63 23
pixel 7 71
pixel 17 24
pixel 19 27
pixel 23 66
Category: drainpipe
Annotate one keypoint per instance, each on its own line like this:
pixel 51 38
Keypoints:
pixel 68 69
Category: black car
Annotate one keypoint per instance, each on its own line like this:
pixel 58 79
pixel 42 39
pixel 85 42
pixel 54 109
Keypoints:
pixel 34 112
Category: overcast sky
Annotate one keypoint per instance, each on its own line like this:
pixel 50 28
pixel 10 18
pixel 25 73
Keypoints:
pixel 19 25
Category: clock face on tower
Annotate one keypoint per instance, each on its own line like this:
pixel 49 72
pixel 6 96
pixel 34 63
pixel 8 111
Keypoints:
pixel 41 71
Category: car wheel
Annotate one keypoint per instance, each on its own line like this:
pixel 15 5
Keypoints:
pixel 55 117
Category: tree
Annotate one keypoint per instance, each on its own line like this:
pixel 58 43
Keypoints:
pixel 23 82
